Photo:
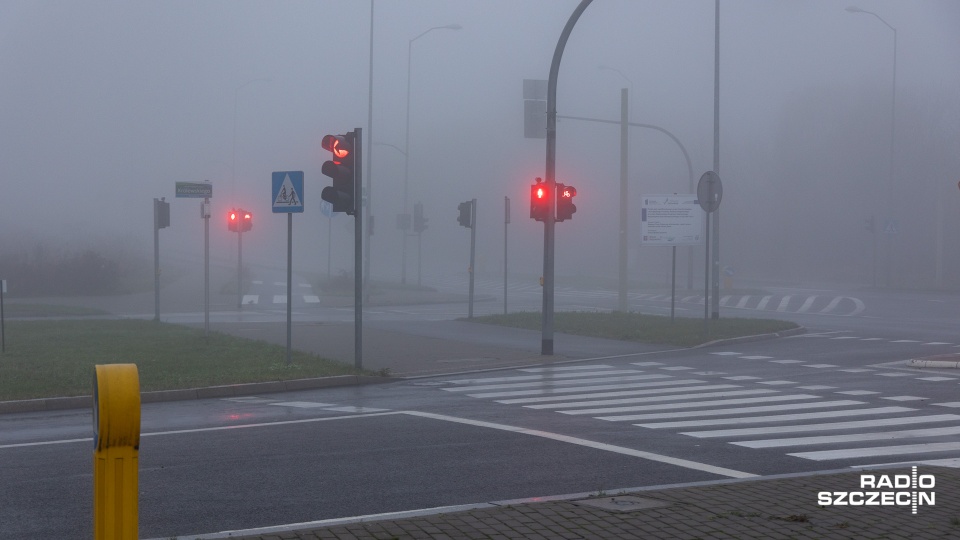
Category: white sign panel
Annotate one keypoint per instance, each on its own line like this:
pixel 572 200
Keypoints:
pixel 671 220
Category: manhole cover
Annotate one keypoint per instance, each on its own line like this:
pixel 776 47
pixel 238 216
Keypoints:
pixel 627 503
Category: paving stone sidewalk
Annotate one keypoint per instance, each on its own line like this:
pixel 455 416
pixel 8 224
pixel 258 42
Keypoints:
pixel 776 508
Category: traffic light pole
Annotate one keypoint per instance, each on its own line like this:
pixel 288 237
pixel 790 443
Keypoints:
pixel 239 269
pixel 358 250
pixel 156 261
pixel 473 251
pixel 549 225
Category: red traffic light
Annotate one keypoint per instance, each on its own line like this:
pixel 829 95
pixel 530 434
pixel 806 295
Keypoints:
pixel 565 206
pixel 539 201
pixel 338 146
pixel 233 221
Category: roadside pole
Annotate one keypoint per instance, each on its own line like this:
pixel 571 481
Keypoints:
pixel 506 221
pixel 549 224
pixel 473 251
pixel 205 213
pixel 287 198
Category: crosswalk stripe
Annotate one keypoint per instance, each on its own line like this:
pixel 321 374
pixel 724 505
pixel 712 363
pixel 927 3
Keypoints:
pixel 517 378
pixel 546 383
pixel 856 424
pixel 562 390
pixel 738 410
pixel 858 437
pixel 783 303
pixel 563 368
pixel 671 397
pixel 806 304
pixel 669 384
pixel 776 418
pixel 692 404
pixel 824 455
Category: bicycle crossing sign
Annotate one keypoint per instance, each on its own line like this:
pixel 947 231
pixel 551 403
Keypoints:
pixel 287 192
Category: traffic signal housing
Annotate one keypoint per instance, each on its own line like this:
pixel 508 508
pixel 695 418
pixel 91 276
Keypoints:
pixel 466 214
pixel 233 221
pixel 246 220
pixel 565 206
pixel 419 222
pixel 341 169
pixel 539 200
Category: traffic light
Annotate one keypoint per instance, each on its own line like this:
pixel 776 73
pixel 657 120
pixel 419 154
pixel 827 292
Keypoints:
pixel 161 212
pixel 233 221
pixel 539 202
pixel 565 206
pixel 466 211
pixel 419 222
pixel 341 169
pixel 246 220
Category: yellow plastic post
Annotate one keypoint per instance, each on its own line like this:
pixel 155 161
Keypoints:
pixel 116 442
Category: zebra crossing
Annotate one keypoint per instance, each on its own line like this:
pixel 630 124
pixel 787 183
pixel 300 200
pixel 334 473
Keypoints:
pixel 846 306
pixel 803 422
pixel 255 299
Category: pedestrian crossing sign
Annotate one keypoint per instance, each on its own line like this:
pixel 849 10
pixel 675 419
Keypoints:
pixel 287 192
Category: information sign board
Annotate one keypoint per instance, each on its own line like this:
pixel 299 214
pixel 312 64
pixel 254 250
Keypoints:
pixel 671 220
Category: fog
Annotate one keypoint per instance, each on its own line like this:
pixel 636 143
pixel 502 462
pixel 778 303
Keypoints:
pixel 105 105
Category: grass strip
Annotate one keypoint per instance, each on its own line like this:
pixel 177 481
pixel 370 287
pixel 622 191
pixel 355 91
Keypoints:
pixel 682 331
pixel 55 358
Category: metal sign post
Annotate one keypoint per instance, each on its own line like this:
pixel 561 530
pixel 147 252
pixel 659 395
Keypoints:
pixel 709 193
pixel 287 199
pixel 201 190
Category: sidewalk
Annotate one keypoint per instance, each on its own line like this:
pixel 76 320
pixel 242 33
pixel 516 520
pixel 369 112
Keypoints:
pixel 773 508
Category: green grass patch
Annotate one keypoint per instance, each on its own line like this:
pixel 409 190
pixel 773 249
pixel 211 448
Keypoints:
pixel 56 358
pixel 682 331
pixel 47 310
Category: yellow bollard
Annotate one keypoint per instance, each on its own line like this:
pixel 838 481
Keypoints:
pixel 116 442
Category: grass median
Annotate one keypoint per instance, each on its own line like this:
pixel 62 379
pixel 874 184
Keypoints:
pixel 55 358
pixel 682 331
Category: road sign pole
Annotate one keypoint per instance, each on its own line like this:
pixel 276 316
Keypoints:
pixel 289 285
pixel 206 266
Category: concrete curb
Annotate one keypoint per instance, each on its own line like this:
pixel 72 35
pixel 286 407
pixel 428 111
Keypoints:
pixel 939 361
pixel 800 330
pixel 230 390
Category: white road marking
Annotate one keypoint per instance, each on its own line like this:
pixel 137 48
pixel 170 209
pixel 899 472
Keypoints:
pixel 738 410
pixel 690 405
pixel 763 302
pixel 592 444
pixel 936 379
pixel 856 424
pixel 517 378
pixel 563 368
pixel 563 390
pixel 671 387
pixel 824 455
pixel 806 304
pixel 650 399
pixel 776 418
pixel 953 404
pixel 903 398
pixel 858 437
pixel 857 392
pixel 546 382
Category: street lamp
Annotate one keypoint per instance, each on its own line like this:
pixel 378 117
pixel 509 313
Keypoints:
pixel 233 184
pixel 406 146
pixel 893 136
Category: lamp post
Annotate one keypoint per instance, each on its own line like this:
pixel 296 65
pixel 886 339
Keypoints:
pixel 624 131
pixel 406 146
pixel 233 184
pixel 893 136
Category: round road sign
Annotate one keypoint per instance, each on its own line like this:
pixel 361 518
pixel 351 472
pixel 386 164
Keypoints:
pixel 709 191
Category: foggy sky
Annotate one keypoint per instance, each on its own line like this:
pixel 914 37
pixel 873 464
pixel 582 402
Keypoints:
pixel 104 105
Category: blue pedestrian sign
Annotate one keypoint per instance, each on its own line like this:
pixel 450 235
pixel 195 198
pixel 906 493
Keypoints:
pixel 287 192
